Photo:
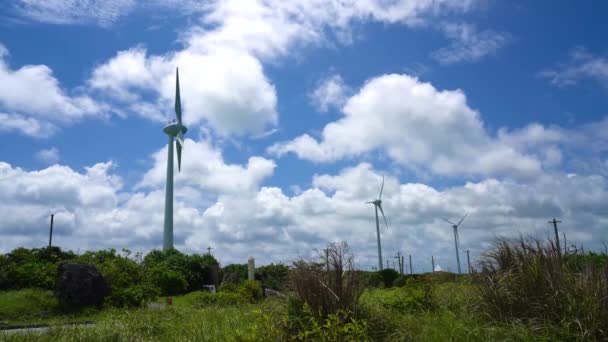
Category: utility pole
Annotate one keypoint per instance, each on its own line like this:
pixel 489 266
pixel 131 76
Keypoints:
pixel 51 232
pixel 433 262
pixel 411 269
pixel 327 259
pixel 398 256
pixel 469 261
pixel 402 265
pixel 209 250
pixel 387 263
pixel 565 243
pixel 559 250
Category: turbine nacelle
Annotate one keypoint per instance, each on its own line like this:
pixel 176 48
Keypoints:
pixel 174 128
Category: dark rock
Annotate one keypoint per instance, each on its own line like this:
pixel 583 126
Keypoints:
pixel 80 285
pixel 209 288
pixel 231 278
pixel 272 293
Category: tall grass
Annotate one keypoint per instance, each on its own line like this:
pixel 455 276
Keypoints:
pixel 329 285
pixel 531 281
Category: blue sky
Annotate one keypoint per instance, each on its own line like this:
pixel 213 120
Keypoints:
pixel 295 111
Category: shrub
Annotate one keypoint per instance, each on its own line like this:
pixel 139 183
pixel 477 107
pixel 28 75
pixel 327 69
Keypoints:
pixel 28 268
pixel 273 276
pixel 251 290
pixel 191 268
pixel 527 280
pixel 326 291
pixel 239 269
pixel 169 282
pixel 400 281
pixel 128 285
pixel 388 276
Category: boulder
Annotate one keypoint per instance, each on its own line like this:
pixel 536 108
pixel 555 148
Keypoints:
pixel 80 285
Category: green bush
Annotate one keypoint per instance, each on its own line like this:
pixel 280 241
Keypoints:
pixel 273 276
pixel 191 268
pixel 240 269
pixel 128 286
pixel 31 268
pixel 400 281
pixel 251 290
pixel 388 276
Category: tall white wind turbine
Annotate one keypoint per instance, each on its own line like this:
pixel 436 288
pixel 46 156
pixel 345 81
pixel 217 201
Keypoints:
pixel 378 205
pixel 456 238
pixel 175 130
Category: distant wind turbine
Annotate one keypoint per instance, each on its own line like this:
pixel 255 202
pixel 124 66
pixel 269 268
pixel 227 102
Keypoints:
pixel 456 238
pixel 378 205
pixel 175 130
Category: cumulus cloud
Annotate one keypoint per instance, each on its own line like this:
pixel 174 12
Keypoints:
pixel 94 211
pixel 468 44
pixel 330 92
pixel 417 126
pixel 582 65
pixel 222 58
pixel 33 103
pixel 204 168
pixel 48 155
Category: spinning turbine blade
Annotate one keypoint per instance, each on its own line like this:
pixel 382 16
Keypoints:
pixel 448 221
pixel 180 138
pixel 178 145
pixel 381 188
pixel 178 101
pixel 382 211
pixel 462 219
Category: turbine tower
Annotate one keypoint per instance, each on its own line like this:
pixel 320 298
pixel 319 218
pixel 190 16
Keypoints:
pixel 456 238
pixel 378 205
pixel 175 130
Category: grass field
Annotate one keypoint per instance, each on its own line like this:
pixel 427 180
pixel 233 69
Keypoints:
pixel 439 311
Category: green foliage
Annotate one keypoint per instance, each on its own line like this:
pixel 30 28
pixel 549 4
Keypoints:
pixel 529 281
pixel 273 276
pixel 27 268
pixel 128 286
pixel 175 272
pixel 27 303
pixel 251 290
pixel 338 326
pixel 388 276
pixel 400 281
pixel 241 269
pixel 248 291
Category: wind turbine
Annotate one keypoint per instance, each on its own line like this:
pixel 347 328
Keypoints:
pixel 456 239
pixel 175 130
pixel 378 205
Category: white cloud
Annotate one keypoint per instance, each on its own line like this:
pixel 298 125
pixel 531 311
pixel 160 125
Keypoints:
pixel 469 44
pixel 96 12
pixel 418 127
pixel 26 125
pixel 34 103
pixel 204 168
pixel 48 155
pixel 221 60
pixel 273 226
pixel 582 65
pixel 330 92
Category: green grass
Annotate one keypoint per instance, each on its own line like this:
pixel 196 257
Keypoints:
pixel 446 312
pixel 38 306
pixel 398 314
pixel 171 324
